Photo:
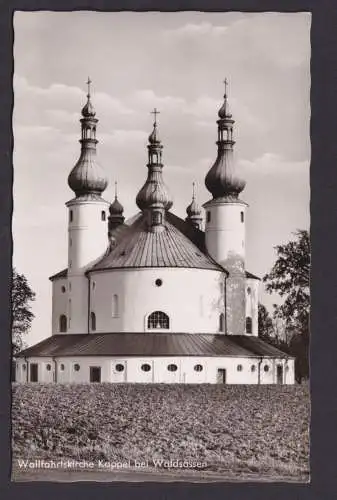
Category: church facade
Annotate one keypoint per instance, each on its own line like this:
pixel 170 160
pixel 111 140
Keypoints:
pixel 155 298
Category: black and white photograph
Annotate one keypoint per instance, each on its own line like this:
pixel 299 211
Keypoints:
pixel 161 247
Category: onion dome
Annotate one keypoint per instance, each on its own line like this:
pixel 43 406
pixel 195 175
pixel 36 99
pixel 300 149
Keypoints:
pixel 154 195
pixel 87 177
pixel 222 179
pixel 194 211
pixel 116 208
pixel 116 217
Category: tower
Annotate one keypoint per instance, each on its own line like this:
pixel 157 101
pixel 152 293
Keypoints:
pixel 154 198
pixel 194 211
pixel 116 217
pixel 225 220
pixel 87 220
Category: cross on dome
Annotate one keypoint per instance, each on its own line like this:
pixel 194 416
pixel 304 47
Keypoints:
pixel 226 85
pixel 155 112
pixel 89 82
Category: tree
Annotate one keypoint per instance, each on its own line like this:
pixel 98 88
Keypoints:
pixel 290 278
pixel 22 316
pixel 266 328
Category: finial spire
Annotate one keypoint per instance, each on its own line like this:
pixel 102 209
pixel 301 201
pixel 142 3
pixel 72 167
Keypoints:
pixel 155 112
pixel 226 86
pixel 193 191
pixel 115 190
pixel 89 82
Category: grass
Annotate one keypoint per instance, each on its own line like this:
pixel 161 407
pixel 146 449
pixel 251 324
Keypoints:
pixel 261 430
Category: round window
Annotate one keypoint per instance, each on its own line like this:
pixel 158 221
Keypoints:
pixel 77 367
pixel 146 367
pixel 253 368
pixel 119 367
pixel 266 368
pixel 159 282
pixel 239 368
pixel 198 368
pixel 63 289
pixel 172 368
pixel 62 367
pixel 48 367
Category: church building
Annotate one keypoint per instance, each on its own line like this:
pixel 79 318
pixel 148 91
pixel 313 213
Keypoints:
pixel 155 298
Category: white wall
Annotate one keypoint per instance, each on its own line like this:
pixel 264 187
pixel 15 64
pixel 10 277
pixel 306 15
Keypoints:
pixel 225 233
pixel 192 298
pixel 59 302
pixel 159 372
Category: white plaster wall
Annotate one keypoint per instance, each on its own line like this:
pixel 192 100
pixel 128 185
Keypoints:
pixel 225 233
pixel 159 372
pixel 252 303
pixel 87 233
pixel 59 302
pixel 192 298
pixel 77 304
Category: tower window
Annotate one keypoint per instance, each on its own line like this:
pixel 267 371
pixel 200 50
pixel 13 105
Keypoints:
pixel 239 368
pixel 242 216
pixel 93 321
pixel 48 367
pixel 61 367
pixel 208 216
pixel 63 289
pixel 103 215
pixel 76 367
pixel 222 322
pixel 70 216
pixel 114 306
pixel 266 368
pixel 253 368
pixel 63 323
pixel 249 325
pixel 158 320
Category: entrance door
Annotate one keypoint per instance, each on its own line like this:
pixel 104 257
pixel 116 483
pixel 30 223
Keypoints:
pixel 221 376
pixel 279 374
pixel 34 377
pixel 95 373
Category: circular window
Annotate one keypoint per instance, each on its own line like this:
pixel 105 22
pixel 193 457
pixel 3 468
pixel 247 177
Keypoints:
pixel 198 368
pixel 63 289
pixel 266 368
pixel 62 367
pixel 119 367
pixel 253 368
pixel 239 368
pixel 159 282
pixel 77 367
pixel 146 367
pixel 48 367
pixel 172 368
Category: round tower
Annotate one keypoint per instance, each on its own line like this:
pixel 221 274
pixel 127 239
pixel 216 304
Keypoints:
pixel 154 198
pixel 225 219
pixel 87 219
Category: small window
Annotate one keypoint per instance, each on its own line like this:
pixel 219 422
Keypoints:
pixel 70 242
pixel 114 305
pixel 103 215
pixel 287 368
pixel 63 323
pixel 239 368
pixel 119 367
pixel 77 367
pixel 242 216
pixel 158 320
pixel 249 325
pixel 266 368
pixel 63 289
pixel 159 282
pixel 48 367
pixel 208 216
pixel 172 368
pixel 253 368
pixel 71 216
pixel 249 290
pixel 93 285
pixel 24 367
pixel 69 286
pixel 222 322
pixel 157 218
pixel 146 367
pixel 62 367
pixel 93 321
pixel 198 368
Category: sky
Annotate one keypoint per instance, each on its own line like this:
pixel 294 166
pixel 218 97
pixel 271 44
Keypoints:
pixel 176 62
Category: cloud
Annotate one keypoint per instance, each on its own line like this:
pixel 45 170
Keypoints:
pixel 148 99
pixel 271 164
pixel 191 30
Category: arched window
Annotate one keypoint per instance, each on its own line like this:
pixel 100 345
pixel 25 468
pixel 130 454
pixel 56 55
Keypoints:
pixel 70 216
pixel 158 320
pixel 93 321
pixel 222 322
pixel 249 325
pixel 242 215
pixel 103 217
pixel 63 323
pixel 114 305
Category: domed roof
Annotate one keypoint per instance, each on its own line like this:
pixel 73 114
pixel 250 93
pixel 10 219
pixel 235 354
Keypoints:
pixel 116 208
pixel 193 209
pixel 154 192
pixel 88 110
pixel 87 176
pixel 154 136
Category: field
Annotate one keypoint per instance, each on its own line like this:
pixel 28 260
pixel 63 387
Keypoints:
pixel 234 432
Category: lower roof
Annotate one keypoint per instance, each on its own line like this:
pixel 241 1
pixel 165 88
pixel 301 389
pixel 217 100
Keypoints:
pixel 152 344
